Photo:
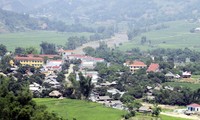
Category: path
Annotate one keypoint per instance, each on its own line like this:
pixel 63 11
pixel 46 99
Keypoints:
pixel 111 42
pixel 172 114
pixel 70 70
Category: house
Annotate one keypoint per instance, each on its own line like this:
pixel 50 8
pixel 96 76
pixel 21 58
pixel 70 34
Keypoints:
pixel 108 84
pixel 197 29
pixel 53 65
pixel 144 109
pixel 114 91
pixel 55 93
pixel 34 87
pixel 193 107
pixel 30 60
pixel 135 65
pixel 104 98
pixel 48 56
pixel 117 104
pixel 154 67
pixel 65 53
pixel 87 64
pixel 170 75
pixel 186 74
pixel 92 74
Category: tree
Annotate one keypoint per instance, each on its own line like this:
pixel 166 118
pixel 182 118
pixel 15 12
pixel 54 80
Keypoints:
pixel 48 48
pixel 86 85
pixel 156 110
pixel 17 104
pixel 89 50
pixel 60 77
pixel 143 40
pixel 19 51
pixel 3 50
pixel 31 50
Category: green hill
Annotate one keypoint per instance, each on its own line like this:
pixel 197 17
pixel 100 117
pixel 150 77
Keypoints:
pixel 177 35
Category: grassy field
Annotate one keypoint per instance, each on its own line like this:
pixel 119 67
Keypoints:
pixel 177 35
pixel 184 84
pixel 161 117
pixel 81 110
pixel 34 38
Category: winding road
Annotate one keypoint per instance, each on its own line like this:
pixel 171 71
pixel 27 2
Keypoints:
pixel 111 42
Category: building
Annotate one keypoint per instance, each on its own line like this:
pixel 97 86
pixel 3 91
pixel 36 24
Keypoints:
pixel 135 65
pixel 65 52
pixel 186 74
pixel 154 67
pixel 48 56
pixel 193 107
pixel 53 65
pixel 30 60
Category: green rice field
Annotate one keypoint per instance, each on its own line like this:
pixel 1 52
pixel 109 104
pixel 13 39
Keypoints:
pixel 35 38
pixel 177 35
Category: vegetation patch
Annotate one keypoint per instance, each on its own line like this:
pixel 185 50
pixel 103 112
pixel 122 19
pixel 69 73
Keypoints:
pixel 176 35
pixel 183 84
pixel 35 38
pixel 81 110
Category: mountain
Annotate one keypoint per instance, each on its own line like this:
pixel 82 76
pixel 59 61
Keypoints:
pixel 139 12
pixel 98 10
pixel 22 6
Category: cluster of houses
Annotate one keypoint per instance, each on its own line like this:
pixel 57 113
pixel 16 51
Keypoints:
pixel 107 100
pixel 154 67
pixel 50 67
pixel 51 64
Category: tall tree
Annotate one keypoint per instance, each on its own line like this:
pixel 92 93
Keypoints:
pixel 86 85
pixel 3 50
pixel 48 48
pixel 19 50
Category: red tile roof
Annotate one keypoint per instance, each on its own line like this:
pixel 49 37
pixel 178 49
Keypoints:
pixel 49 56
pixel 55 61
pixel 28 58
pixel 153 67
pixel 193 105
pixel 138 63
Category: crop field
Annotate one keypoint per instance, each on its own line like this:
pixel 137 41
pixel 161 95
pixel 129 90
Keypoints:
pixel 177 35
pixel 84 110
pixel 35 38
pixel 81 110
pixel 192 86
pixel 161 117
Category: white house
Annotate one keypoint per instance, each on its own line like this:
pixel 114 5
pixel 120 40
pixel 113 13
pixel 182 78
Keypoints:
pixel 193 107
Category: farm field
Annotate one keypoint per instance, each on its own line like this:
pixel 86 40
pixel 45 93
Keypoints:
pixel 81 110
pixel 84 110
pixel 192 86
pixel 177 35
pixel 162 117
pixel 34 38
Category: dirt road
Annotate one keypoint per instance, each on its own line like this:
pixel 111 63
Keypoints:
pixel 192 117
pixel 111 42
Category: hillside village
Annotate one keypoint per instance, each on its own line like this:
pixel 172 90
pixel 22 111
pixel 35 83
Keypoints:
pixel 50 75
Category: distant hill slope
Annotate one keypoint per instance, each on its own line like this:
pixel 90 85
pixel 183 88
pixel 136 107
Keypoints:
pixel 22 6
pixel 11 22
pixel 98 10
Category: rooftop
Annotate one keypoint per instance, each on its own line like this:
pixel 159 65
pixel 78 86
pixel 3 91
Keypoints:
pixel 153 67
pixel 138 63
pixel 193 105
pixel 28 58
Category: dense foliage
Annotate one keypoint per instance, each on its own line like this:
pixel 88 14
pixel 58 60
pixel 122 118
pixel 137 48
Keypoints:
pixel 17 104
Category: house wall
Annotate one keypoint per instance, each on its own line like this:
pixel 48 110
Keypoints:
pixel 135 68
pixel 34 63
pixel 196 109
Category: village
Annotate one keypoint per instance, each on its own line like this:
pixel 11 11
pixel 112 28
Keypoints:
pixel 103 92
